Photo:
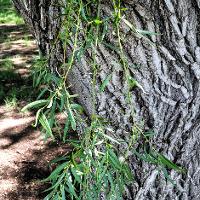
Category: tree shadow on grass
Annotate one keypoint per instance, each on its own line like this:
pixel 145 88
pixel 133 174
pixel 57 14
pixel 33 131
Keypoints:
pixel 14 85
pixel 7 31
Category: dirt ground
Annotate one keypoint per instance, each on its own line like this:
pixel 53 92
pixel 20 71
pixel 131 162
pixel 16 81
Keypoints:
pixel 24 156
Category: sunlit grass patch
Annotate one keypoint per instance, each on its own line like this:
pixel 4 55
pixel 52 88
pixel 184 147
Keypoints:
pixel 8 14
pixel 11 102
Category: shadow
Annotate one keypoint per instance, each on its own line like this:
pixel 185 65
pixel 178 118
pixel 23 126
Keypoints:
pixel 15 138
pixel 15 78
pixel 31 165
pixel 9 76
pixel 23 51
pixel 16 81
pixel 13 85
pixel 6 32
pixel 32 172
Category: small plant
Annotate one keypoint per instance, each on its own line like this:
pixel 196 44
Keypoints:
pixel 11 102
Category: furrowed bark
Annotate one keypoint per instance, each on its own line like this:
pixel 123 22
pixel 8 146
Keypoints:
pixel 168 72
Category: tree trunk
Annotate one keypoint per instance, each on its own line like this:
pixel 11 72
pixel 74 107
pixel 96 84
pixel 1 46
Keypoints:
pixel 168 71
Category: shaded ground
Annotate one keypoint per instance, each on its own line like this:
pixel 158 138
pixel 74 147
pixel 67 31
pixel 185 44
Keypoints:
pixel 24 156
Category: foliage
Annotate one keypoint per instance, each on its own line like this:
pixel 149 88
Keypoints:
pixel 95 167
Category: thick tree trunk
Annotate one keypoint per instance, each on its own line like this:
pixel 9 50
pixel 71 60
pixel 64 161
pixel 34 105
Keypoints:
pixel 169 73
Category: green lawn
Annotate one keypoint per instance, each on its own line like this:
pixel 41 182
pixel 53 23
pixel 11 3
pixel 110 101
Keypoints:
pixel 8 15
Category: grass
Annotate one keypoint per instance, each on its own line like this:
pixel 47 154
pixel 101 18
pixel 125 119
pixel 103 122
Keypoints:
pixel 13 87
pixel 6 63
pixel 11 102
pixel 8 14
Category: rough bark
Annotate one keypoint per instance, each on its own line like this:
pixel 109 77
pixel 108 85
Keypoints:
pixel 169 72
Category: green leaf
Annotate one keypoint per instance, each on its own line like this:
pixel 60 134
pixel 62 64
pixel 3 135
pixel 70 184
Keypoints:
pixel 35 104
pixel 110 46
pixel 63 193
pixel 54 175
pixel 52 113
pixel 110 178
pixel 128 23
pixel 42 93
pixel 132 82
pixel 145 32
pixel 141 32
pixel 49 196
pixel 50 103
pixel 151 158
pixel 56 160
pixel 77 107
pixel 79 54
pixel 114 159
pixel 105 82
pixel 71 189
pixel 38 79
pixel 45 124
pixel 102 174
pixel 72 119
pixel 76 176
pixel 140 156
pixel 167 176
pixel 127 172
pixel 149 133
pixel 57 183
pixel 37 117
pixel 62 102
pixel 168 163
pixel 110 138
pixel 83 14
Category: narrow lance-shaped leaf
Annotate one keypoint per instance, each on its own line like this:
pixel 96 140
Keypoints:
pixel 76 175
pixel 77 107
pixel 45 124
pixel 105 82
pixel 167 176
pixel 114 159
pixel 37 117
pixel 168 163
pixel 71 189
pixel 72 119
pixel 35 104
pixel 62 102
pixel 110 138
pixel 63 193
pixel 42 93
pixel 105 30
pixel 145 32
pixel 57 171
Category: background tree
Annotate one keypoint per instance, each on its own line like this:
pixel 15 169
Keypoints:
pixel 168 73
